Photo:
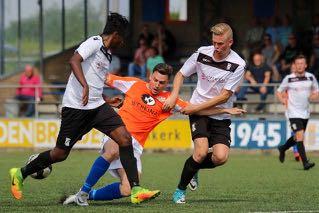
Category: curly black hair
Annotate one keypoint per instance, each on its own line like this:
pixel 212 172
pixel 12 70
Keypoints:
pixel 116 23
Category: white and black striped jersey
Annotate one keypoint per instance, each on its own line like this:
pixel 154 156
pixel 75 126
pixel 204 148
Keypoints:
pixel 213 76
pixel 299 90
pixel 95 65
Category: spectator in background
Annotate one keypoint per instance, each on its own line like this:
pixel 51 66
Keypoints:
pixel 138 65
pixel 284 31
pixel 115 65
pixel 159 44
pixel 146 34
pixel 206 38
pixel 272 28
pixel 315 24
pixel 314 60
pixel 254 34
pixel 153 59
pixel 271 53
pixel 27 92
pixel 287 57
pixel 257 72
pixel 253 38
pixel 115 68
pixel 167 39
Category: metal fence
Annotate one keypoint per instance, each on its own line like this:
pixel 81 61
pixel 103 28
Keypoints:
pixel 31 30
pixel 50 103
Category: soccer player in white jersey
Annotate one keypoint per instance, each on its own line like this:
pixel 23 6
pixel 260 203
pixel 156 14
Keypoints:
pixel 301 87
pixel 220 70
pixel 84 108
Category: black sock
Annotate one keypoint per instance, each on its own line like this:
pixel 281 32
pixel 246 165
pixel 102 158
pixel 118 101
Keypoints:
pixel 41 162
pixel 302 152
pixel 208 163
pixel 129 164
pixel 289 143
pixel 189 170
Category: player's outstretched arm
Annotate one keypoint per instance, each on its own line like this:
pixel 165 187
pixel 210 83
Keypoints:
pixel 220 99
pixel 216 110
pixel 171 100
pixel 235 111
pixel 119 82
pixel 107 81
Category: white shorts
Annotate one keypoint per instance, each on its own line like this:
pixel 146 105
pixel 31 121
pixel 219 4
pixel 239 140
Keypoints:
pixel 116 164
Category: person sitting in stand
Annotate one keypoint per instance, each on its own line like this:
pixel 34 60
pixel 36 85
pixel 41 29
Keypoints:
pixel 29 91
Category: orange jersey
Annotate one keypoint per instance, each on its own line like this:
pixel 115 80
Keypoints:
pixel 141 110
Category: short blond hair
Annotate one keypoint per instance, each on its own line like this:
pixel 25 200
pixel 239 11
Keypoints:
pixel 221 29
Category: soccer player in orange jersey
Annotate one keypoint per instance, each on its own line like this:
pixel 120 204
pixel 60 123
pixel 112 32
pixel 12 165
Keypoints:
pixel 141 113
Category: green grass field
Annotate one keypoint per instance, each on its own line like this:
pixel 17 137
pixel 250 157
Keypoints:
pixel 247 183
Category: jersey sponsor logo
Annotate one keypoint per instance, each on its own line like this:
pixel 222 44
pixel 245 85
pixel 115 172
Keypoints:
pixel 147 99
pixel 100 65
pixel 300 89
pixel 210 78
pixel 296 79
pixel 145 107
pixel 95 38
pixel 67 141
pixel 206 60
pixel 223 65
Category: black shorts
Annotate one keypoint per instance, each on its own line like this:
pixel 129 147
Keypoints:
pixel 297 124
pixel 77 122
pixel 217 131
